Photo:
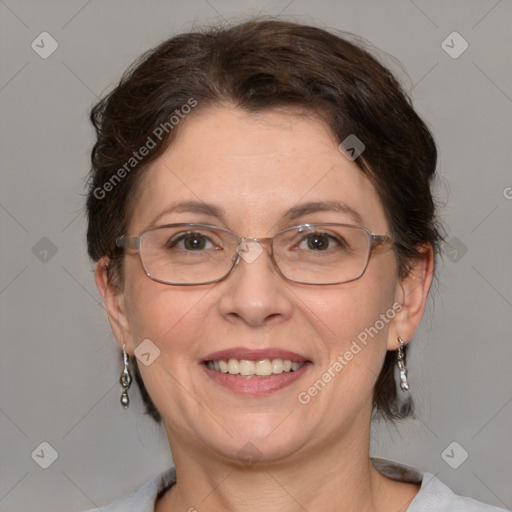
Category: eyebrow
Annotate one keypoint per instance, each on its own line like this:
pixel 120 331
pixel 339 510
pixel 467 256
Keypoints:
pixel 191 207
pixel 322 206
pixel 293 213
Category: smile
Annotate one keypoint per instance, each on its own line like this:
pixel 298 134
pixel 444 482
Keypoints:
pixel 247 368
pixel 247 382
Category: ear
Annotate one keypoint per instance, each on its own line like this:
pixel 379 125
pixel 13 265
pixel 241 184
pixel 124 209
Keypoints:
pixel 115 305
pixel 411 293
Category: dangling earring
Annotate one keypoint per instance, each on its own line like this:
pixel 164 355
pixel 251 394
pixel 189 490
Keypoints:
pixel 126 381
pixel 404 384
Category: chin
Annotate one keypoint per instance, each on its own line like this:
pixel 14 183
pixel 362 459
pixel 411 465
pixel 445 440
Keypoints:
pixel 251 447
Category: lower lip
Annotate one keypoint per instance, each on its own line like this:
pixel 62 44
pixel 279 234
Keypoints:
pixel 256 386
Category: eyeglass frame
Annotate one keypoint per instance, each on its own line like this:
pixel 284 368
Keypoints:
pixel 133 242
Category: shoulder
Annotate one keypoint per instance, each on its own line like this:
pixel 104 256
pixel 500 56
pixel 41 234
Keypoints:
pixel 435 496
pixel 143 499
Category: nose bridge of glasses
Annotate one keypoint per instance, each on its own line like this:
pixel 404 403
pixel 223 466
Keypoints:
pixel 250 239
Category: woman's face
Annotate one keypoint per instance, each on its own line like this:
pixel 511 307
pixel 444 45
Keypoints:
pixel 254 168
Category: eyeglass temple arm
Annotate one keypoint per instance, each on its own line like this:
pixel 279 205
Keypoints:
pixel 382 239
pixel 128 242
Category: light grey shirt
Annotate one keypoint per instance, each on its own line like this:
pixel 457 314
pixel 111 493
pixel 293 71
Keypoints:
pixel 433 496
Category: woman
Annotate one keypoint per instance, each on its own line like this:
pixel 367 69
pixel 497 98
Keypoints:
pixel 265 236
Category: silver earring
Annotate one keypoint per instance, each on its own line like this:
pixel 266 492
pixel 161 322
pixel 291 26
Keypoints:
pixel 404 384
pixel 125 380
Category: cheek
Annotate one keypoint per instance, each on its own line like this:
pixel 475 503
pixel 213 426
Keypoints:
pixel 164 314
pixel 352 322
pixel 352 340
pixel 353 308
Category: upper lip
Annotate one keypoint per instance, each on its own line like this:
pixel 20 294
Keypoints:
pixel 254 354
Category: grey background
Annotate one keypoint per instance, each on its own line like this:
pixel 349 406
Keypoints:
pixel 59 363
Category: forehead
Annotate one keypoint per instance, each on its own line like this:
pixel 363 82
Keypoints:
pixel 254 167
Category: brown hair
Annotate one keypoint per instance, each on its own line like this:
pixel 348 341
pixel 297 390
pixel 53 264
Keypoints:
pixel 260 65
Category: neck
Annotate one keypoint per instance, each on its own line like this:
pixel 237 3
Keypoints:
pixel 340 476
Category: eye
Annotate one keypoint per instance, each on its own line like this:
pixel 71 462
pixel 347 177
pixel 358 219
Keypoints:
pixel 191 242
pixel 320 242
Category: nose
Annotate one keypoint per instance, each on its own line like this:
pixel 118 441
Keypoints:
pixel 255 293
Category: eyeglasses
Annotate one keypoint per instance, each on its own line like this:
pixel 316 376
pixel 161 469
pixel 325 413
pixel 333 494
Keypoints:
pixel 194 254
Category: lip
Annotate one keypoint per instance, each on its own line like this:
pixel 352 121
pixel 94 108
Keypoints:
pixel 254 355
pixel 257 386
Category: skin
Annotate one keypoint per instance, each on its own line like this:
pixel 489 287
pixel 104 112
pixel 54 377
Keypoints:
pixel 255 167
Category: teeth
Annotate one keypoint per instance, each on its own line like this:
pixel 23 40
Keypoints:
pixel 233 366
pixel 247 368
